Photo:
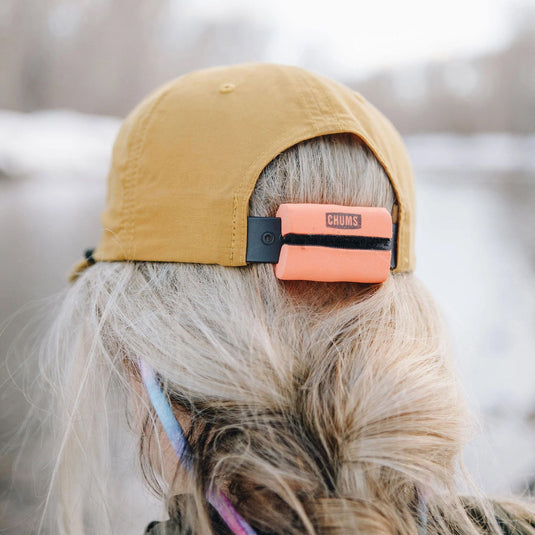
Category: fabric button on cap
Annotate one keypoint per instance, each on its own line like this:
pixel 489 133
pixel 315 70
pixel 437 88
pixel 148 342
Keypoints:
pixel 227 88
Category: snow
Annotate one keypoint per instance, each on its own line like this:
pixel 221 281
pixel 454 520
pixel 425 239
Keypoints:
pixel 484 283
pixel 475 235
pixel 48 145
pixel 54 143
pixel 492 152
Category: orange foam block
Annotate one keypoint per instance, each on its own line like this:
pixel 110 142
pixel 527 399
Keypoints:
pixel 332 264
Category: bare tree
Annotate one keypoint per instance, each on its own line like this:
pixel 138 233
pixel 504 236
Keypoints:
pixel 103 56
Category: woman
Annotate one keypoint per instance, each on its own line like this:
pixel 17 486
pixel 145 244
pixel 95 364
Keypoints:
pixel 307 367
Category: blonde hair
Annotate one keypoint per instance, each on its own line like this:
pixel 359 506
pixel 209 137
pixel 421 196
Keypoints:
pixel 319 408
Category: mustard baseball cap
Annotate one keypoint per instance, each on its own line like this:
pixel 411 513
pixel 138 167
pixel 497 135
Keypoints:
pixel 187 159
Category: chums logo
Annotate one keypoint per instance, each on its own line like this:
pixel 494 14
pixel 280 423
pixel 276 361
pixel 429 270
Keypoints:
pixel 340 220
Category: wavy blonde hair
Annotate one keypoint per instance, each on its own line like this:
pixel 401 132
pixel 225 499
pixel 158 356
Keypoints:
pixel 319 408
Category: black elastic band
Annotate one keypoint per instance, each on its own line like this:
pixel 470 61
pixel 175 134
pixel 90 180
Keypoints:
pixel 339 242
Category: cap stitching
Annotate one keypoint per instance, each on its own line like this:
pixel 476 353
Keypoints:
pixel 328 104
pixel 245 186
pixel 234 218
pixel 312 97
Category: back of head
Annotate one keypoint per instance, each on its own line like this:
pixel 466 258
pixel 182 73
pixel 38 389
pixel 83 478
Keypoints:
pixel 318 407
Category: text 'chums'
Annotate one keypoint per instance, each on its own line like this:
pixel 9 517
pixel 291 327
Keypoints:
pixel 341 220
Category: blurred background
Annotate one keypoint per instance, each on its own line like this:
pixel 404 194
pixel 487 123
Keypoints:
pixel 458 80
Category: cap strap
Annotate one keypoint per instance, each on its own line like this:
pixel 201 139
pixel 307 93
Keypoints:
pixel 264 241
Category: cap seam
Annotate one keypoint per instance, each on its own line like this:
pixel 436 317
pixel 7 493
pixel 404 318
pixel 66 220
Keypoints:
pixel 245 185
pixel 312 97
pixel 326 99
pixel 134 174
pixel 234 221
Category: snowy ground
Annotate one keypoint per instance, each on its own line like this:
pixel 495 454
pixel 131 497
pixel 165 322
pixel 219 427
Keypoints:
pixel 475 248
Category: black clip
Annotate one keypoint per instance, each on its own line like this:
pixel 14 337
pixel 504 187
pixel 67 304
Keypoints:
pixel 89 256
pixel 264 240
